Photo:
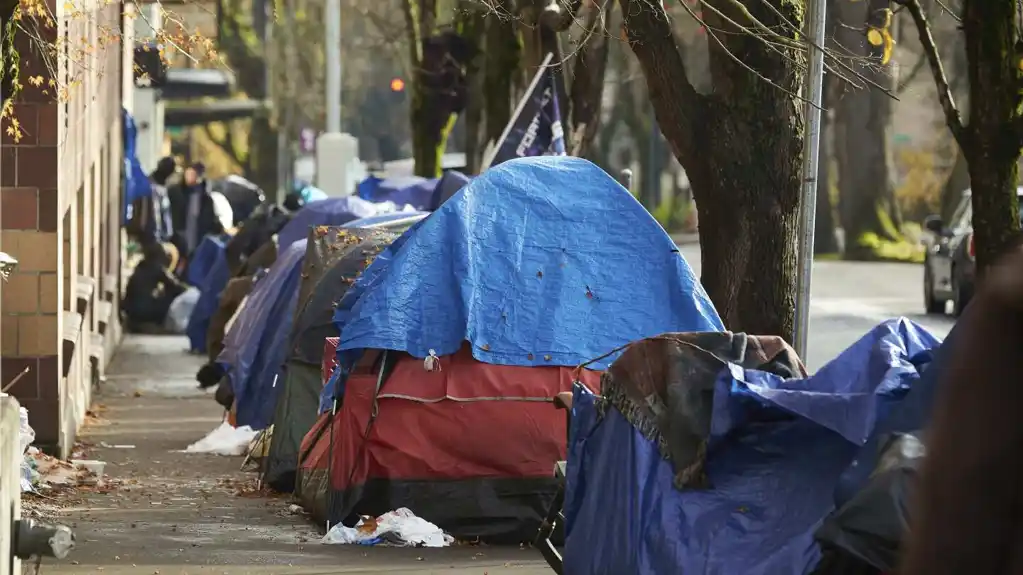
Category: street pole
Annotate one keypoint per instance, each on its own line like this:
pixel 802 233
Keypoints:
pixel 812 91
pixel 332 29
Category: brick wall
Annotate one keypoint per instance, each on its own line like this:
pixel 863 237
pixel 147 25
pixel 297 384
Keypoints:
pixel 59 209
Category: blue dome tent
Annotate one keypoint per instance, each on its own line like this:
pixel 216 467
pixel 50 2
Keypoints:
pixel 534 263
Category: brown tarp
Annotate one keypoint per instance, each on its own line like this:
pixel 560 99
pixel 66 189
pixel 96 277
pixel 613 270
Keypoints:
pixel 664 386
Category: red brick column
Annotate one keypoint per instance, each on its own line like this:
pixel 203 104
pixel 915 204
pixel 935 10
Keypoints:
pixel 30 303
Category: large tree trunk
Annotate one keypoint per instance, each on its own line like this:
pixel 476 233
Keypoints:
pixel 472 25
pixel 428 143
pixel 587 88
pixel 742 149
pixel 992 140
pixel 502 52
pixel 865 187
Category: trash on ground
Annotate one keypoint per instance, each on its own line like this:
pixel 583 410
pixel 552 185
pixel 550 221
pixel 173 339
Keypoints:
pixel 94 467
pixel 40 472
pixel 399 528
pixel 224 440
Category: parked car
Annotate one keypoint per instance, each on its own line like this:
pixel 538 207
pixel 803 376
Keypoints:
pixel 949 266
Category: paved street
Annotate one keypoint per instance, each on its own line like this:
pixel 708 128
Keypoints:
pixel 849 298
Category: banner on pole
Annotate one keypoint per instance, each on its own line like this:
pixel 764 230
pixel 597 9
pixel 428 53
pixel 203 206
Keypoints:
pixel 535 127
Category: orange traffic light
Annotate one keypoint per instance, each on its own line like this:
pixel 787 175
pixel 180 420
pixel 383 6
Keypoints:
pixel 397 85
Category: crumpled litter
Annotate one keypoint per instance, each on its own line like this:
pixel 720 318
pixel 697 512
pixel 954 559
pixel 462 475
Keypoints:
pixel 26 435
pixel 180 310
pixel 398 528
pixel 224 440
pixel 40 472
pixel 432 362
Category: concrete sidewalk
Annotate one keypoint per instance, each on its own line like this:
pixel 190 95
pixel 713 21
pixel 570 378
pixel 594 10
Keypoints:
pixel 170 512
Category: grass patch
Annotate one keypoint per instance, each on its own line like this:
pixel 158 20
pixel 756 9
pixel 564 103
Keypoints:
pixel 871 248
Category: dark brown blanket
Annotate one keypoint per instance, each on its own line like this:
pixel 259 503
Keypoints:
pixel 968 517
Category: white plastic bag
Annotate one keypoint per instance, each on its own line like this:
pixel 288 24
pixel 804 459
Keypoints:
pixel 224 440
pixel 180 310
pixel 399 527
pixel 26 434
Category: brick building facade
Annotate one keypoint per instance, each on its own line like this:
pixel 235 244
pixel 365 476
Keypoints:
pixel 59 217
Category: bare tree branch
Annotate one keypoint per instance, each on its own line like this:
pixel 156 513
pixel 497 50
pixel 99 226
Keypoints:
pixel 952 116
pixel 658 51
pixel 913 73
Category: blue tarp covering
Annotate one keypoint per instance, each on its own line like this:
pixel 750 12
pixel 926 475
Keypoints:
pixel 136 182
pixel 203 258
pixel 449 185
pixel 329 212
pixel 209 298
pixel 412 190
pixel 778 452
pixel 253 331
pixel 539 261
pixel 367 189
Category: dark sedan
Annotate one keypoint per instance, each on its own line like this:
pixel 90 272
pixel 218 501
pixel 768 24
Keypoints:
pixel 949 265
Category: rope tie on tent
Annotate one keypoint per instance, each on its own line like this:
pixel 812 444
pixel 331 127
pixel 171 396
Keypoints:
pixel 578 369
pixel 432 362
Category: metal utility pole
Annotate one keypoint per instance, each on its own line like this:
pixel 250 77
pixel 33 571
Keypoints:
pixel 813 91
pixel 332 28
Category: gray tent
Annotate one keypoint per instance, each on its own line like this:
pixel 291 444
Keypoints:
pixel 334 258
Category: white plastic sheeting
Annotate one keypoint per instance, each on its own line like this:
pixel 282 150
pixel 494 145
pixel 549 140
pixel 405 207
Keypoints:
pixel 224 440
pixel 400 527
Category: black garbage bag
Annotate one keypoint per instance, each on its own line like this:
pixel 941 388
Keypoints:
pixel 870 528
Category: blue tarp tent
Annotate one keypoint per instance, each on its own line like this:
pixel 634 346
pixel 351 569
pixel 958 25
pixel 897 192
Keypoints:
pixel 539 261
pixel 209 298
pixel 367 189
pixel 329 212
pixel 203 258
pixel 272 300
pixel 449 185
pixel 136 182
pixel 779 452
pixel 409 190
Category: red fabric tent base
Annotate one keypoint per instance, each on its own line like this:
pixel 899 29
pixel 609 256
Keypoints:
pixel 466 420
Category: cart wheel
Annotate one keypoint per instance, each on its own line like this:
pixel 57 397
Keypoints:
pixel 552 521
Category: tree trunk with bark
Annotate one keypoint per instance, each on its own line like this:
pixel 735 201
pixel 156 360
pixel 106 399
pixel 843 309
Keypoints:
pixel 471 23
pixel 866 192
pixel 503 52
pixel 587 88
pixel 991 141
pixel 242 49
pixel 741 147
pixel 438 91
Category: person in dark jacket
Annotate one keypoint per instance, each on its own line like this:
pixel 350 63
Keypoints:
pixel 193 210
pixel 150 291
pixel 152 219
pixel 968 513
pixel 252 235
